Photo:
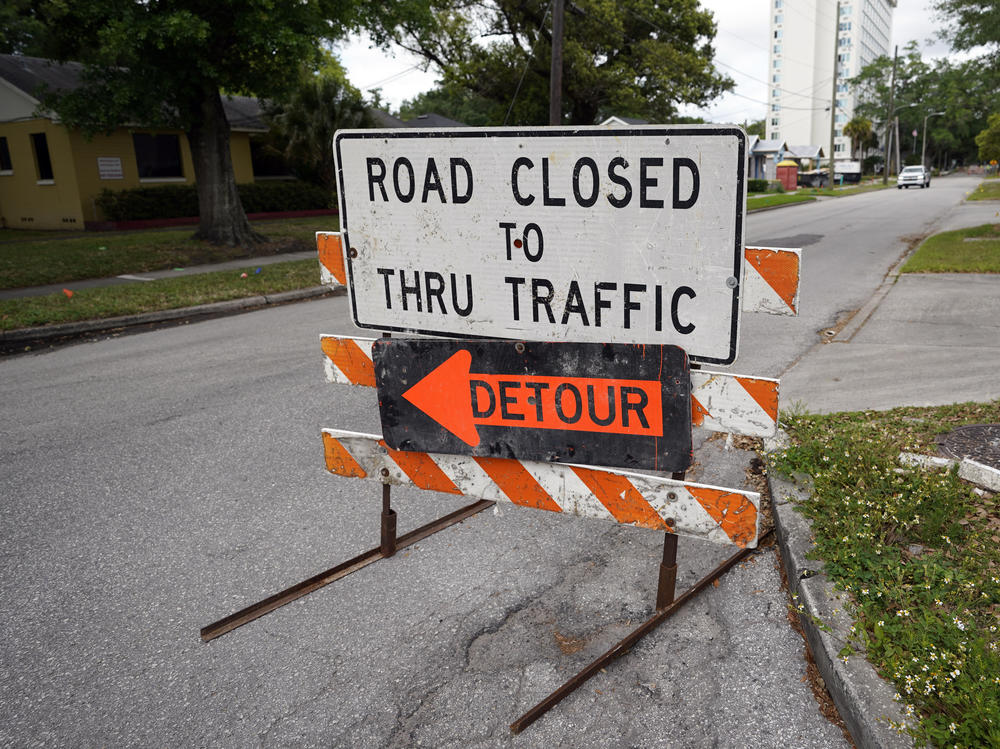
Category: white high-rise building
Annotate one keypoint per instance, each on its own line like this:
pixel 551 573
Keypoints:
pixel 800 67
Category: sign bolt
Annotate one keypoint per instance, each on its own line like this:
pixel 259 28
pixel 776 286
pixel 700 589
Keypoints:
pixel 731 282
pixel 519 347
pixel 385 471
pixel 352 252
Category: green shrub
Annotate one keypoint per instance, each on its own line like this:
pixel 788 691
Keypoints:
pixel 757 185
pixel 178 201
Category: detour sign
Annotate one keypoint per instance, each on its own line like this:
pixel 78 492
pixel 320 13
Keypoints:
pixel 630 408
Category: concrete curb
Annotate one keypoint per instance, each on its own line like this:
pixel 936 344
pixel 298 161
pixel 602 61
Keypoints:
pixel 216 309
pixel 864 700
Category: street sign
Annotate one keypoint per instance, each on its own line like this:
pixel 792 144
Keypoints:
pixel 617 405
pixel 552 234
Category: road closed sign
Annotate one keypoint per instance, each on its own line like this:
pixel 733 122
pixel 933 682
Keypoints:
pixel 548 234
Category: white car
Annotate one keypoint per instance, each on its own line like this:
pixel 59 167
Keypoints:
pixel 914 175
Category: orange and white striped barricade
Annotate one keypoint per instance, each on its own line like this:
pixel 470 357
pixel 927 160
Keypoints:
pixel 699 310
pixel 720 401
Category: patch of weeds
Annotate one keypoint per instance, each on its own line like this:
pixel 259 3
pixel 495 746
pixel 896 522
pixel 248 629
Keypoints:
pixel 918 551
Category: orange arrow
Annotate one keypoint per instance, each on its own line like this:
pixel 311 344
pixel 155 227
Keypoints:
pixel 458 400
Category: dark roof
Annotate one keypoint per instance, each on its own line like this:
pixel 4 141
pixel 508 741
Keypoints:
pixel 432 120
pixel 30 73
pixel 384 119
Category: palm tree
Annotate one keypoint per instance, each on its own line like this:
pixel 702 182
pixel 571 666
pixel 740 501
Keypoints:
pixel 306 120
pixel 859 130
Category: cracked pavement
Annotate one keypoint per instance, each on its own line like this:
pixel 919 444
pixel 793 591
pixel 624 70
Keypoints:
pixel 155 483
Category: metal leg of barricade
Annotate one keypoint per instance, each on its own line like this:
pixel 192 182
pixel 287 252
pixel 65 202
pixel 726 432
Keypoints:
pixel 389 545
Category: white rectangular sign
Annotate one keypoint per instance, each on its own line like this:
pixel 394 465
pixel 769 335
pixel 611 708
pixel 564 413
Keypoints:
pixel 110 167
pixel 554 234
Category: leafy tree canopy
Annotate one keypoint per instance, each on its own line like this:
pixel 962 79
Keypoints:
pixel 455 102
pixel 166 63
pixel 971 22
pixel 965 91
pixel 631 58
pixel 989 140
pixel 304 119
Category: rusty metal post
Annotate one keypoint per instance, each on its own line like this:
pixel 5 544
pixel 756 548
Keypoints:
pixel 388 545
pixel 668 572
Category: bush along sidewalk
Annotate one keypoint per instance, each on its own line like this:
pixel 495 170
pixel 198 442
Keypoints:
pixel 918 551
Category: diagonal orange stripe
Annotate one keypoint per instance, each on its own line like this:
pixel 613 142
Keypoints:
pixel 422 470
pixel 698 412
pixel 517 483
pixel 625 503
pixel 734 513
pixel 779 269
pixel 331 255
pixel 339 460
pixel 350 359
pixel 765 392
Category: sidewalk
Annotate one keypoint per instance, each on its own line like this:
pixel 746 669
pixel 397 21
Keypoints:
pixel 93 283
pixel 17 339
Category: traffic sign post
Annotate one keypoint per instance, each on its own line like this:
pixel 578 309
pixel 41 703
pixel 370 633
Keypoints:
pixel 611 261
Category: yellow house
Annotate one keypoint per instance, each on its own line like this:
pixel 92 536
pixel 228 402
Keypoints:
pixel 50 176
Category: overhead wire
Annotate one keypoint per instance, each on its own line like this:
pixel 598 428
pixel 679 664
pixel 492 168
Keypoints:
pixel 528 62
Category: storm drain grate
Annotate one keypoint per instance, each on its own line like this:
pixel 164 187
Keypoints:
pixel 981 442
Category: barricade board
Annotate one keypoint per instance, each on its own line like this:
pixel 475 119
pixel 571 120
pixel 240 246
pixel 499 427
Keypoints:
pixel 617 405
pixel 552 234
pixel 717 514
pixel 720 401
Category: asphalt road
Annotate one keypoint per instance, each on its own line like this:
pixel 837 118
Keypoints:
pixel 156 482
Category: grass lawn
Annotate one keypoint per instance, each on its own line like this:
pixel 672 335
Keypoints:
pixel 918 552
pixel 172 293
pixel 845 191
pixel 949 252
pixel 988 190
pixel 770 200
pixel 48 259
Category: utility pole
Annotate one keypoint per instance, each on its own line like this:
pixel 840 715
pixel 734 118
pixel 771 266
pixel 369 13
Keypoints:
pixel 555 74
pixel 833 92
pixel 888 117
pixel 899 162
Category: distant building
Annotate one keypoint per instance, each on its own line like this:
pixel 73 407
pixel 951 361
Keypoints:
pixel 800 65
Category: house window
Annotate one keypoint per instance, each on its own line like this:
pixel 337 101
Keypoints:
pixel 774 121
pixel 43 162
pixel 779 18
pixel 6 167
pixel 777 33
pixel 777 64
pixel 157 156
pixel 777 49
pixel 775 135
pixel 776 78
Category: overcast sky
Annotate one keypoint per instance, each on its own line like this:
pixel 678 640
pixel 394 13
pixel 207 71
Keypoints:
pixel 740 52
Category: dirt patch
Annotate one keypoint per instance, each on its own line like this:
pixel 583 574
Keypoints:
pixel 569 645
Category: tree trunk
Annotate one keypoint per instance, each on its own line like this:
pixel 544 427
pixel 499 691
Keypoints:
pixel 223 220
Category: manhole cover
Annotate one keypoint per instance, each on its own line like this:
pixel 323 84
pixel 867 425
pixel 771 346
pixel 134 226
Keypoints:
pixel 981 442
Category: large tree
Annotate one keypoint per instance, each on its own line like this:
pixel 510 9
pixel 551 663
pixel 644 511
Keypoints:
pixel 971 23
pixel 633 58
pixel 171 62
